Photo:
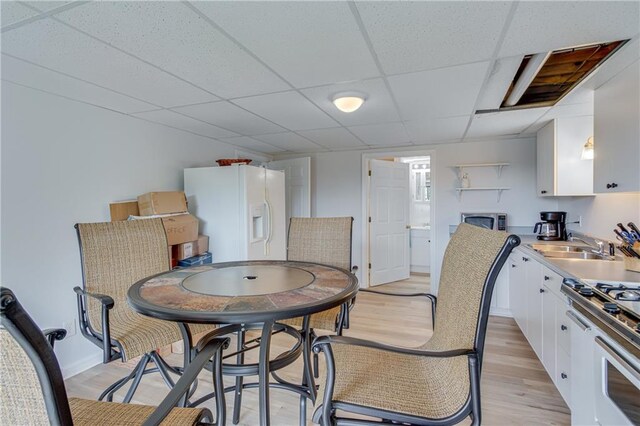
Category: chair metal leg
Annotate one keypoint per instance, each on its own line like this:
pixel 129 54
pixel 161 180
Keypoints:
pixel 162 369
pixel 237 400
pixel 108 392
pixel 136 380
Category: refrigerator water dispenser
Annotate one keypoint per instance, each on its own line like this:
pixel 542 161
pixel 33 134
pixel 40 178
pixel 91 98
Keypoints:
pixel 258 223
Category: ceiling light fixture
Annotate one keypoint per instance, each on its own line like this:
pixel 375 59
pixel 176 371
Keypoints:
pixel 587 149
pixel 348 101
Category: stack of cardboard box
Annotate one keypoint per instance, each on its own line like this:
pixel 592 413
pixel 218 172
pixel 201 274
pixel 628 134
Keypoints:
pixel 187 248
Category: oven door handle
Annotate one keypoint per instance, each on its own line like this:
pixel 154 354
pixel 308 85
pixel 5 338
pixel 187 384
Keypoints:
pixel 615 355
pixel 573 317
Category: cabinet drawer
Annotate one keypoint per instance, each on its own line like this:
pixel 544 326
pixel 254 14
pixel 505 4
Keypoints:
pixel 563 375
pixel 552 281
pixel 563 330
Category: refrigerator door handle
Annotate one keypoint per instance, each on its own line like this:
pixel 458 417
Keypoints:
pixel 270 213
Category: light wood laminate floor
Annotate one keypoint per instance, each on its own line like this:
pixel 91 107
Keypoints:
pixel 516 390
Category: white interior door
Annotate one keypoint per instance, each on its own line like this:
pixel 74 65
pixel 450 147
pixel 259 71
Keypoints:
pixel 297 183
pixel 389 200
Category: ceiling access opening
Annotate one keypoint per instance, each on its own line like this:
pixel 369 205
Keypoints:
pixel 543 79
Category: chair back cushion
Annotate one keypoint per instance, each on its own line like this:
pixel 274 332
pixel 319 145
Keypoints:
pixel 325 240
pixel 21 398
pixel 115 255
pixel 31 386
pixel 467 262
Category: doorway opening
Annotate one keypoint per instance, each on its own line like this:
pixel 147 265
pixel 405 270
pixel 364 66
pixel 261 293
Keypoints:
pixel 399 210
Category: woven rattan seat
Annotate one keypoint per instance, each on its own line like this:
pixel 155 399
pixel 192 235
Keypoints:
pixel 138 334
pixel 115 255
pixel 91 413
pixel 32 390
pixel 439 380
pixel 325 240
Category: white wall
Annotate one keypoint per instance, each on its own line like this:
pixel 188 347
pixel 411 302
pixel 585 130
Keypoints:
pixel 63 162
pixel 337 187
pixel 601 213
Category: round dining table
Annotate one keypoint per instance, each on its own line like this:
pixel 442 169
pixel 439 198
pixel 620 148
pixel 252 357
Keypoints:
pixel 242 295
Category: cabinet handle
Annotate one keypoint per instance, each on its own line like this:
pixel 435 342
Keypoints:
pixel 563 375
pixel 612 185
pixel 526 259
pixel 541 290
pixel 563 327
pixel 543 192
pixel 547 278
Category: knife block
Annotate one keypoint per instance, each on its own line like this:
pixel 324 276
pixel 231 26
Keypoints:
pixel 632 264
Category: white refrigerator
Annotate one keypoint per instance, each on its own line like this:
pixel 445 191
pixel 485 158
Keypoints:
pixel 241 209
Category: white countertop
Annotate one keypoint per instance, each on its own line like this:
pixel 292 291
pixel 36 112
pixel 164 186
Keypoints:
pixel 602 270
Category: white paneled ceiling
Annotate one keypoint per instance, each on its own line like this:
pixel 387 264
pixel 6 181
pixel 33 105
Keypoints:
pixel 421 35
pixel 308 43
pixel 229 116
pixel 261 75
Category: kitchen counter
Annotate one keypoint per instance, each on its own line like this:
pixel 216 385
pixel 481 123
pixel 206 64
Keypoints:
pixel 604 270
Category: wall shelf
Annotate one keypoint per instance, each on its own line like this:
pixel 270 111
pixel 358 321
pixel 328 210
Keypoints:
pixel 498 166
pixel 497 189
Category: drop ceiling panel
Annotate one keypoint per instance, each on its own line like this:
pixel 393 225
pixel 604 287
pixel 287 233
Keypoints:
pixel 445 92
pixel 336 138
pixel 186 123
pixel 37 77
pixel 437 129
pixel 413 36
pixel 499 81
pixel 308 43
pixel 288 109
pixel 503 123
pixel 580 95
pixel 58 47
pixel 229 116
pixel 619 61
pixel 173 37
pixel 544 26
pixel 386 134
pixel 12 12
pixel 378 107
pixel 291 142
pixel 253 144
pixel 561 111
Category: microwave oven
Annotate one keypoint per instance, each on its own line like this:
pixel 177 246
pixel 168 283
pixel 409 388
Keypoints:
pixel 495 221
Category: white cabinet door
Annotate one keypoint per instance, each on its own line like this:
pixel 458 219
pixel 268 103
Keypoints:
pixel 617 133
pixel 500 300
pixel 545 171
pixel 534 304
pixel 582 396
pixel 560 169
pixel 549 321
pixel 518 290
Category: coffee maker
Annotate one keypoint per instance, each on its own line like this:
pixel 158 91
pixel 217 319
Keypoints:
pixel 553 226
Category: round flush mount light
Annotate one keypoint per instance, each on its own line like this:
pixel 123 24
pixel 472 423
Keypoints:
pixel 348 101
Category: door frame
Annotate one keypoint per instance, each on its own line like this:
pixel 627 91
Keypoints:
pixel 364 282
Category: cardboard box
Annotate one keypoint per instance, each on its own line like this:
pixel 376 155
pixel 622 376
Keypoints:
pixel 190 249
pixel 123 209
pixel 153 203
pixel 203 259
pixel 180 229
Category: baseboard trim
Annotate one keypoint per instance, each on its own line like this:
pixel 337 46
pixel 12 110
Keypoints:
pixel 81 365
pixel 501 312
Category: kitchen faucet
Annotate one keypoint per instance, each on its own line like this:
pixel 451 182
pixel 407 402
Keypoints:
pixel 600 244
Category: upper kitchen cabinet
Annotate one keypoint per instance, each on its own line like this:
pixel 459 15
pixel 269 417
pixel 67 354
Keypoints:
pixel 617 133
pixel 561 171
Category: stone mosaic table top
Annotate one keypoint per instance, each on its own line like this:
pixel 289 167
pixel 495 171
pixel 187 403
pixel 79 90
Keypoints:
pixel 242 292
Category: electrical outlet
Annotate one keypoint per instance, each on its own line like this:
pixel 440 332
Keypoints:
pixel 70 326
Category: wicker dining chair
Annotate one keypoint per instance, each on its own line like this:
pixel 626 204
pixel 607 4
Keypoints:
pixel 325 240
pixel 114 256
pixel 437 383
pixel 32 390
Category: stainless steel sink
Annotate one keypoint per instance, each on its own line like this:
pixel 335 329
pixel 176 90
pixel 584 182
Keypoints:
pixel 543 248
pixel 575 255
pixel 568 252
